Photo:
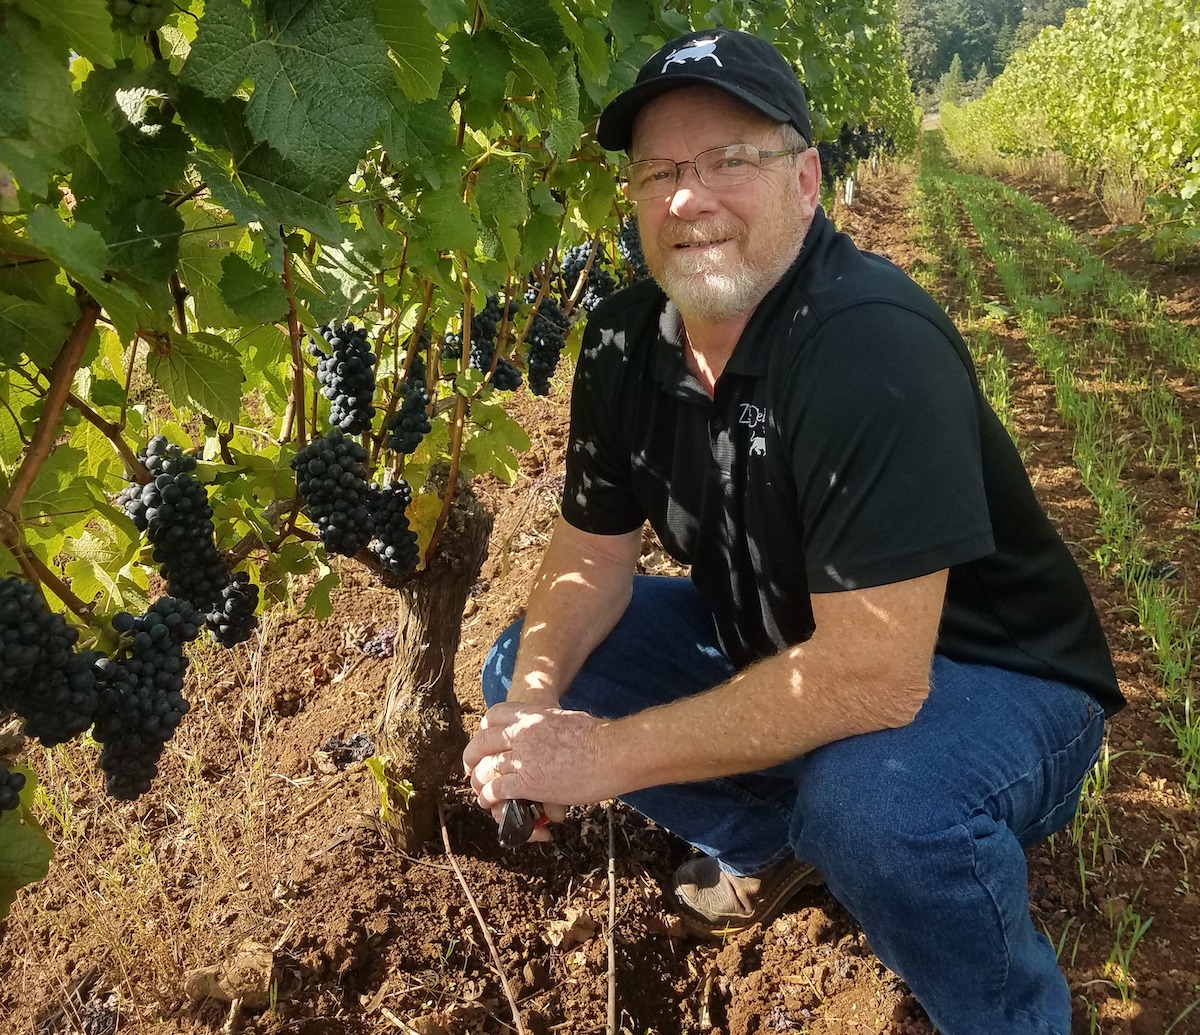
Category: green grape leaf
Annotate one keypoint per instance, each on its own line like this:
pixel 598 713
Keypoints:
pixel 105 392
pixel 421 137
pixel 319 71
pixel 565 127
pixel 497 442
pixel 348 274
pixel 628 20
pixel 254 294
pixel 416 50
pixel 501 197
pixel 39 118
pixel 79 249
pixel 147 244
pixel 254 199
pixel 200 373
pixel 201 253
pixel 532 20
pixel 481 63
pixel 445 13
pixel 33 328
pixel 446 219
pixel 588 43
pixel 60 501
pixel 318 602
pixel 85 24
pixel 25 850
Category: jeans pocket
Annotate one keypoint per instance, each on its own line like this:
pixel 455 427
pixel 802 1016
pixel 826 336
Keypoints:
pixel 1065 773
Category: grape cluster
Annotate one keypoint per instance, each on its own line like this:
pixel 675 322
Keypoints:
pixel 485 325
pixel 333 484
pixel 232 620
pixel 395 544
pixel 42 677
pixel 599 283
pixel 11 786
pixel 546 335
pixel 629 246
pixel 141 693
pixel 138 16
pixel 410 423
pixel 172 509
pixel 347 376
pixel 838 157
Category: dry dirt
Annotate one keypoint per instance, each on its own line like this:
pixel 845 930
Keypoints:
pixel 257 830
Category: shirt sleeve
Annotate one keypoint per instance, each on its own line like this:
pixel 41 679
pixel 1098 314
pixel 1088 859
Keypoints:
pixel 885 451
pixel 597 494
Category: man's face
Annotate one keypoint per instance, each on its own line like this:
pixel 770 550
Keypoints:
pixel 716 253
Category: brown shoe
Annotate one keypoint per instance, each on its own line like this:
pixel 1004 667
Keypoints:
pixel 716 904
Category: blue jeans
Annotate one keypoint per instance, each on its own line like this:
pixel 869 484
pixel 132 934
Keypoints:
pixel 920 831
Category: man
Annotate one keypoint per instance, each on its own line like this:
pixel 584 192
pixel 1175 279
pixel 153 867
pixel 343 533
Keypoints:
pixel 885 668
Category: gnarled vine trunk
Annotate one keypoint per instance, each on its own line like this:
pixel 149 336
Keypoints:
pixel 421 730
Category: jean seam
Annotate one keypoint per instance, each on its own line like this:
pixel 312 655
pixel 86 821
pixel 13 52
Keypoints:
pixel 999 913
pixel 990 807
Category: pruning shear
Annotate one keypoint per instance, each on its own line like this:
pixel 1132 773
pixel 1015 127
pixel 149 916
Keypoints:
pixel 519 819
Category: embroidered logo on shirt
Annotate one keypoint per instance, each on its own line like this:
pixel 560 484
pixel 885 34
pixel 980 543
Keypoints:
pixel 695 51
pixel 754 417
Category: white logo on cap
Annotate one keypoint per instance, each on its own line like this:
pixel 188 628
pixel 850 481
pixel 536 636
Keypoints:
pixel 694 51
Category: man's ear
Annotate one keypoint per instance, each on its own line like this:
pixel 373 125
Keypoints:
pixel 809 174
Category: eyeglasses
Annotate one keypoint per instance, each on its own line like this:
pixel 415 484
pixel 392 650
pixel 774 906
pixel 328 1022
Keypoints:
pixel 717 167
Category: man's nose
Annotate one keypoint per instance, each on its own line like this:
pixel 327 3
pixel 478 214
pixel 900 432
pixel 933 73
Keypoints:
pixel 690 193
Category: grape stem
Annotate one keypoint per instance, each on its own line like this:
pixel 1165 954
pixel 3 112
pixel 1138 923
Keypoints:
pixel 35 569
pixel 456 427
pixel 295 407
pixel 62 374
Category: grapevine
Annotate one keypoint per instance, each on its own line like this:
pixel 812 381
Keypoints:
pixel 141 693
pixel 347 376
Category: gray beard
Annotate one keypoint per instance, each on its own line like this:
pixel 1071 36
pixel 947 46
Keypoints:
pixel 712 293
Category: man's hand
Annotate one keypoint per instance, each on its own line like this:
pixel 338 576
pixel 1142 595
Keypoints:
pixel 547 755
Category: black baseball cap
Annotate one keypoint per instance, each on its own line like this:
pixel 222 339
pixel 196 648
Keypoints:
pixel 743 65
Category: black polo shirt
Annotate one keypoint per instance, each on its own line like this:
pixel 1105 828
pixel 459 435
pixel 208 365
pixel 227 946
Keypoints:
pixel 847 445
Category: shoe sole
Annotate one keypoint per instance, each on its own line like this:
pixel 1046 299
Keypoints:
pixel 775 900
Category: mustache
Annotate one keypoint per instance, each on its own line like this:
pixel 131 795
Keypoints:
pixel 692 233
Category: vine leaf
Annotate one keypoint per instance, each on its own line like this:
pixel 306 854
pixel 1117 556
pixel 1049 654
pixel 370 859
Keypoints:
pixel 254 294
pixel 81 251
pixel 481 62
pixel 416 50
pixel 445 13
pixel 32 328
pixel 421 137
pixel 532 20
pixel 38 114
pixel 319 71
pixel 85 24
pixel 60 501
pixel 25 850
pixel 498 448
pixel 202 373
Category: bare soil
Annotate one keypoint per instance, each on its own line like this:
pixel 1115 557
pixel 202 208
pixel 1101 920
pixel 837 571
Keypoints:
pixel 260 830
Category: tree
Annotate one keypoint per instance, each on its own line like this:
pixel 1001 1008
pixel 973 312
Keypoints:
pixel 978 86
pixel 952 83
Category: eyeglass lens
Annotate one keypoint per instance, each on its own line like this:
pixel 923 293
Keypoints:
pixel 717 167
